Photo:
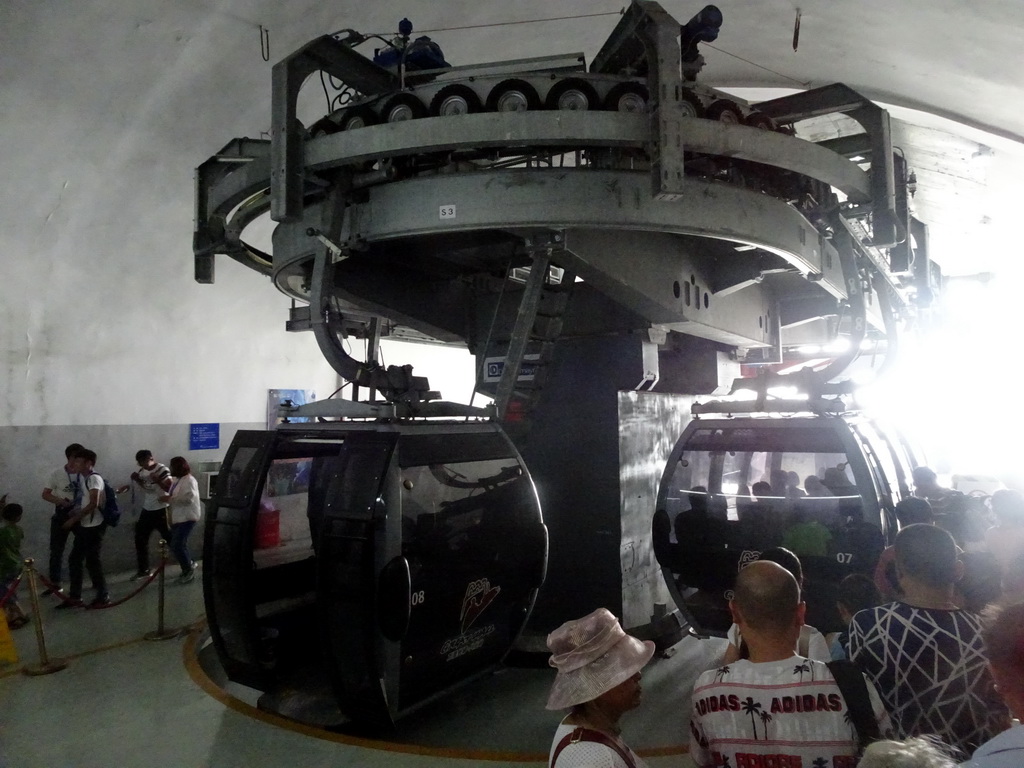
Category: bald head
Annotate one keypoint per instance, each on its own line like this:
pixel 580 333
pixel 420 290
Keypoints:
pixel 767 596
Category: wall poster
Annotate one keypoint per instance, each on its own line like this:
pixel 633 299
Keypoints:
pixel 276 396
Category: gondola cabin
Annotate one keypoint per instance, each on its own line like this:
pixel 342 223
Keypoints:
pixel 394 560
pixel 824 486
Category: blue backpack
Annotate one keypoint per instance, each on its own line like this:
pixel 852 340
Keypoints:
pixel 108 505
pixel 110 511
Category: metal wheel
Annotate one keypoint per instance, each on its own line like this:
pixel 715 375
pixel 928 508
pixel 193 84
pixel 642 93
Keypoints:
pixel 454 100
pixel 725 111
pixel 512 101
pixel 323 127
pixel 513 96
pixel 401 108
pixel 627 97
pixel 759 120
pixel 575 95
pixel 690 105
pixel 360 117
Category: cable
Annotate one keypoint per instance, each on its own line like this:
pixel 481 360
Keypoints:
pixel 347 383
pixel 327 96
pixel 524 21
pixel 759 66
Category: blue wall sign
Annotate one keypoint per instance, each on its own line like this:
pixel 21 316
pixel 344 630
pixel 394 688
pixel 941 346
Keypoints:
pixel 494 366
pixel 203 436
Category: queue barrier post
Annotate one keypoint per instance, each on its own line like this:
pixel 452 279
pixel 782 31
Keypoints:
pixel 161 632
pixel 46 665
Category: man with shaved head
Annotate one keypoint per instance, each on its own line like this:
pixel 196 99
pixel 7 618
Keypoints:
pixel 924 653
pixel 774 708
pixel 768 601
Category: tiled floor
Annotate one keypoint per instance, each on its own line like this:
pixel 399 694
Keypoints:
pixel 125 701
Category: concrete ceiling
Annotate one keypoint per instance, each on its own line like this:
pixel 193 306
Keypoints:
pixel 108 105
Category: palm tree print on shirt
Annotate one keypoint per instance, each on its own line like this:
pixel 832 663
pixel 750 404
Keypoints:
pixel 721 672
pixel 800 668
pixel 820 762
pixel 765 719
pixel 752 708
pixel 848 719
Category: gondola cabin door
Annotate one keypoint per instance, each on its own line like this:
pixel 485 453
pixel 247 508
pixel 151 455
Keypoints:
pixel 735 487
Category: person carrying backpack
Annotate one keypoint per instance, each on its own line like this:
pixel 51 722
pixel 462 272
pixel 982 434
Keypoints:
pixel 87 524
pixel 778 707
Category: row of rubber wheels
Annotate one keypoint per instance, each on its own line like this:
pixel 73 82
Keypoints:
pixel 509 96
pixel 724 111
pixel 520 96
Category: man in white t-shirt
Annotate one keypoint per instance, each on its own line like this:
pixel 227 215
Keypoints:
pixel 154 479
pixel 87 526
pixel 774 708
pixel 62 489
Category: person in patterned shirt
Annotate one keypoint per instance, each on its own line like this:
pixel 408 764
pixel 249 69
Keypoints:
pixel 154 479
pixel 923 653
pixel 775 708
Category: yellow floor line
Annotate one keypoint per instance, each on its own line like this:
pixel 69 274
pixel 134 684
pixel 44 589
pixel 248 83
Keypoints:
pixel 190 652
pixel 71 657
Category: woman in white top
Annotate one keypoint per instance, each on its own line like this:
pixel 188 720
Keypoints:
pixel 598 681
pixel 811 643
pixel 185 511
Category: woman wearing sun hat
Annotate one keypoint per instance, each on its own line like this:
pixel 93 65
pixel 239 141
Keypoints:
pixel 598 680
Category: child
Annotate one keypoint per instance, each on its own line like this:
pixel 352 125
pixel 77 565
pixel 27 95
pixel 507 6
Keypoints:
pixel 11 563
pixel 856 592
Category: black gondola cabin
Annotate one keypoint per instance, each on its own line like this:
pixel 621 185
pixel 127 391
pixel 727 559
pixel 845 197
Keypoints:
pixel 394 559
pixel 823 486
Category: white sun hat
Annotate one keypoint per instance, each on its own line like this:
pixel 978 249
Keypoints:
pixel 592 656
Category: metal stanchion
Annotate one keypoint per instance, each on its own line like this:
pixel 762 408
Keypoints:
pixel 161 632
pixel 46 665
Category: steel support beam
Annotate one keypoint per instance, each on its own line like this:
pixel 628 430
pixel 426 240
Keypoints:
pixel 223 183
pixel 660 33
pixel 563 128
pixel 839 98
pixel 286 134
pixel 521 332
pixel 662 278
pixel 518 200
pixel 870 255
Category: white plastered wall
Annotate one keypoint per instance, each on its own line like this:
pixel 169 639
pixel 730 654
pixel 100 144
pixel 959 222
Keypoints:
pixel 107 106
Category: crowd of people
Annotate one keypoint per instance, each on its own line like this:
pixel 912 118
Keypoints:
pixel 923 674
pixel 926 672
pixel 170 506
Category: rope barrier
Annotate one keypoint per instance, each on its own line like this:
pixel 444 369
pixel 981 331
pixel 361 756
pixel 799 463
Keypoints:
pixel 12 589
pixel 47 665
pixel 74 601
pixel 161 632
pixel 113 604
